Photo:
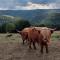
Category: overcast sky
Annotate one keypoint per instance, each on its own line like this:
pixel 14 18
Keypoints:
pixel 29 4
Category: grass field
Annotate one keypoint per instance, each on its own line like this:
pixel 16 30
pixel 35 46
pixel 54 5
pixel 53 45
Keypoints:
pixel 56 35
pixel 11 48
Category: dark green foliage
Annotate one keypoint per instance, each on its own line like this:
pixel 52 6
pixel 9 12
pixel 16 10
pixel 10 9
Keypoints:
pixel 8 27
pixel 10 23
pixel 20 24
pixel 53 21
pixel 49 18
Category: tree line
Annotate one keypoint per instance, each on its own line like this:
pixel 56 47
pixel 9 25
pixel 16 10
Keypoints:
pixel 13 26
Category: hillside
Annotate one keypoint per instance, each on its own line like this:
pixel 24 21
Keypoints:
pixel 53 18
pixel 28 14
pixel 50 16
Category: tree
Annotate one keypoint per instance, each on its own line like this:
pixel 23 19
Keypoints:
pixel 8 27
pixel 20 24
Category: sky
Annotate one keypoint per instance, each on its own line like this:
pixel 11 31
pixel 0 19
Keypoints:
pixel 29 4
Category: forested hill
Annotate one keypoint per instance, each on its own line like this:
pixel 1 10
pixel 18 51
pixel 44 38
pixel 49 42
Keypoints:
pixel 53 19
pixel 29 14
pixel 42 16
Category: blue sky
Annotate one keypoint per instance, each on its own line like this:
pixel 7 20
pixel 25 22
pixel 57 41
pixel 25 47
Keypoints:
pixel 29 4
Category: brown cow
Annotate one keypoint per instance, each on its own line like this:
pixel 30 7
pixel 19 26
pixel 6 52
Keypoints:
pixel 39 35
pixel 24 34
pixel 46 33
pixel 33 37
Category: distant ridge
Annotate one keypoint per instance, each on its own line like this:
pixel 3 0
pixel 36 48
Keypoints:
pixel 34 16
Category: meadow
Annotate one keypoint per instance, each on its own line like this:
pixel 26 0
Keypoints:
pixel 11 48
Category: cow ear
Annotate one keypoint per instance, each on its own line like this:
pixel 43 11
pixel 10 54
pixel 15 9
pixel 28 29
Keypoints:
pixel 52 31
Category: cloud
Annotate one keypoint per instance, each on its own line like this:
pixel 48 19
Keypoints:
pixel 29 4
pixel 7 4
pixel 3 8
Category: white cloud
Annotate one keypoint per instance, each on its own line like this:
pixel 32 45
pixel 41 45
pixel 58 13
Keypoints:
pixel 14 5
pixel 3 8
pixel 31 6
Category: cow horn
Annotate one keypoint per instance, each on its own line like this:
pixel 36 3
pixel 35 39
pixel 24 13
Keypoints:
pixel 53 29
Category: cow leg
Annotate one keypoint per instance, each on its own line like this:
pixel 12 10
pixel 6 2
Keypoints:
pixel 23 42
pixel 42 48
pixel 46 46
pixel 30 45
pixel 34 45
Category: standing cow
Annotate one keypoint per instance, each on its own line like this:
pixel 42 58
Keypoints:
pixel 44 37
pixel 46 33
pixel 24 34
pixel 31 35
pixel 34 36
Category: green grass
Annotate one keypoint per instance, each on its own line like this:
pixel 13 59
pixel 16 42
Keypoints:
pixel 14 38
pixel 56 35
